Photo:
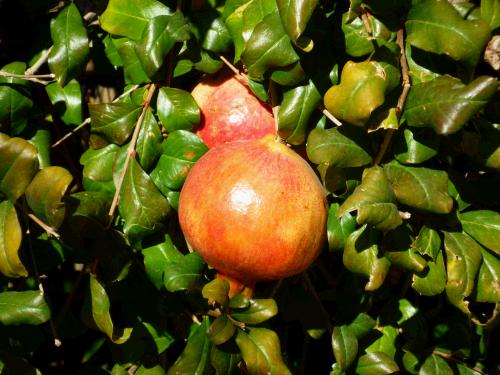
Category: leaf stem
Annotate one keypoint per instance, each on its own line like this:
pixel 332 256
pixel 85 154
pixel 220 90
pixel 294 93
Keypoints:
pixel 329 116
pixel 38 78
pixel 131 150
pixel 37 65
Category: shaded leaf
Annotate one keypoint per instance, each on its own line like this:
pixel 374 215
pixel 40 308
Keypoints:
pixel 217 290
pixel 257 312
pixel 157 257
pixel 10 242
pixel 414 145
pixel 385 345
pixel 132 67
pixel 45 194
pixel 488 281
pixel 114 121
pixel 28 307
pixel 463 258
pixel 357 40
pixel 446 104
pixel 490 12
pixel 295 15
pixel 177 109
pixel 41 137
pixel 428 242
pixel 67 101
pixel 185 273
pixel 362 325
pixel 195 357
pixel 68 56
pixel 420 188
pixel 18 165
pixel 431 281
pixel 483 226
pixel 211 31
pixel 376 363
pixel 221 330
pixel 435 26
pixel 224 363
pixel 98 169
pixel 260 349
pixel 345 346
pixel 338 229
pixel 148 145
pixel 339 147
pixel 408 260
pixel 435 365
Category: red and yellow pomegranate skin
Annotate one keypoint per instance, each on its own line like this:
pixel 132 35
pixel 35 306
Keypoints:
pixel 254 210
pixel 230 111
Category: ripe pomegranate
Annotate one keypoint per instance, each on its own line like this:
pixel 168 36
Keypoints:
pixel 254 210
pixel 230 111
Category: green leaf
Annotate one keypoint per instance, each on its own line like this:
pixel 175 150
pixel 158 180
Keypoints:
pixel 67 101
pixel 407 260
pixel 345 346
pixel 224 363
pixel 217 290
pixel 376 363
pixel 211 31
pixel 177 109
pixel 195 357
pixel 488 281
pixel 158 38
pixel 362 325
pixel 434 364
pixel 483 226
pixel 18 165
pixel 415 145
pixel 183 274
pixel 27 307
pixel 435 26
pixel 100 309
pixel 338 229
pixel 446 104
pixel 374 200
pixel 428 242
pixel 361 256
pixel 259 311
pixel 68 56
pixel 385 344
pixel 295 110
pixel 260 349
pixel 148 145
pixel 141 206
pixel 221 330
pixel 114 122
pixel 157 257
pixel 98 169
pixel 421 188
pixel 132 67
pixel 15 98
pixel 340 147
pixel 463 258
pixel 362 89
pixel 130 17
pixel 41 137
pixel 45 194
pixel 490 12
pixel 10 242
pixel 431 281
pixel 295 15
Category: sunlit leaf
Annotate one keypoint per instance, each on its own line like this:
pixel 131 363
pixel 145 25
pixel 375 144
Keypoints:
pixel 295 15
pixel 177 109
pixel 257 312
pixel 148 145
pixel 431 281
pixel 217 290
pixel 98 168
pixel 27 307
pixel 483 226
pixel 362 325
pixel 414 145
pixel 221 330
pixel 18 165
pixel 260 349
pixel 385 344
pixel 10 242
pixel 434 364
pixel 211 31
pixel 420 188
pixel 345 346
pixel 157 257
pixel 488 281
pixel 69 54
pixel 375 363
pixel 338 229
pixel 114 121
pixel 133 70
pixel 67 101
pixel 427 242
pixel 183 273
pixel 490 12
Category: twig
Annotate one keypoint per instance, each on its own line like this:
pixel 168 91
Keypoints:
pixel 41 60
pixel 235 70
pixel 46 227
pixel 366 23
pixel 131 150
pixel 329 116
pixel 449 357
pixel 402 98
pixel 30 77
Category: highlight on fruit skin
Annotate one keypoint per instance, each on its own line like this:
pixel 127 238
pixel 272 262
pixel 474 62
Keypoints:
pixel 230 111
pixel 254 210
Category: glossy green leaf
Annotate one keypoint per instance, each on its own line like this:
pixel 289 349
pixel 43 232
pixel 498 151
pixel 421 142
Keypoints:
pixel 488 281
pixel 132 67
pixel 340 147
pixel 434 364
pixel 211 31
pixel 157 257
pixel 10 242
pixel 183 274
pixel 357 40
pixel 15 98
pixel 490 12
pixel 295 110
pixel 361 256
pixel 446 104
pixel 483 226
pixel 67 101
pixel 148 145
pixel 421 188
pixel 345 346
pixel 90 204
pixel 221 330
pixel 428 242
pixel 268 47
pixel 415 145
pixel 338 229
pixel 100 309
pixel 41 137
pixel 431 281
pixel 98 169
pixel 435 26
pixel 147 370
pixel 385 344
pixel 295 15
pixel 195 358
pixel 408 260
pixel 18 165
pixel 362 325
pixel 45 194
pixel 130 17
pixel 463 258
pixel 374 200
pixel 260 349
pixel 114 121
pixel 142 207
pixel 376 363
pixel 177 109
pixel 28 307
pixel 217 290
pixel 225 363
pixel 158 38
pixel 362 89
pixel 68 56
pixel 257 312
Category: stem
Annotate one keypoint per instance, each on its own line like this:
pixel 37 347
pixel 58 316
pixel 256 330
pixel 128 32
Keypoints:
pixel 449 357
pixel 30 77
pixel 131 150
pixel 37 65
pixel 329 116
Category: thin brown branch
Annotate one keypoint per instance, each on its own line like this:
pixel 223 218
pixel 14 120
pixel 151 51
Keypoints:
pixel 366 22
pixel 131 149
pixel 38 78
pixel 449 357
pixel 242 77
pixel 329 116
pixel 46 227
pixel 38 64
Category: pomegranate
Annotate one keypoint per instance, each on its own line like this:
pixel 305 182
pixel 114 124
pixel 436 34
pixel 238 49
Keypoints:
pixel 254 210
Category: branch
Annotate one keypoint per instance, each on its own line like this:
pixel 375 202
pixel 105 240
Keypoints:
pixel 37 65
pixel 131 150
pixel 38 78
pixel 329 116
